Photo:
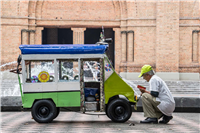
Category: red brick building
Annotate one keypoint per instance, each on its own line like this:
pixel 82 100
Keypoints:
pixel 164 34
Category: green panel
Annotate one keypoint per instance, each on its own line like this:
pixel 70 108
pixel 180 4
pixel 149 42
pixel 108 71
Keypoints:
pixel 61 99
pixel 20 86
pixel 30 98
pixel 68 99
pixel 114 85
pixel 50 95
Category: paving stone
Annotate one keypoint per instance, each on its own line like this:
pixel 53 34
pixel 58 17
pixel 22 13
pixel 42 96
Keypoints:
pixel 73 122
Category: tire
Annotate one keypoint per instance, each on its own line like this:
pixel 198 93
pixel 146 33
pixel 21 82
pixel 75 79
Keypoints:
pixel 65 78
pixel 44 111
pixel 106 111
pixel 58 112
pixel 119 110
pixel 51 78
pixel 76 77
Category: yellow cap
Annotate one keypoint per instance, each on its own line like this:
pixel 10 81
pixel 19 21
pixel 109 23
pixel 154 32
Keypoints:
pixel 145 69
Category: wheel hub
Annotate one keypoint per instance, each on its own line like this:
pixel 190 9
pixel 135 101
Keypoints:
pixel 44 111
pixel 119 110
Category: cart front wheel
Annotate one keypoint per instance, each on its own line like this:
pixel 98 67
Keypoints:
pixel 106 111
pixel 44 111
pixel 119 110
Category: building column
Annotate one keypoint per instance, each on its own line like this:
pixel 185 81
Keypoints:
pixel 199 49
pixel 117 52
pixel 195 46
pixel 167 37
pixel 78 35
pixel 130 46
pixel 123 46
pixel 32 37
pixel 24 38
pixel 38 35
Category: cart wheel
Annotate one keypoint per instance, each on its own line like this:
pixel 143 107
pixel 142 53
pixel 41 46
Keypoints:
pixel 44 111
pixel 106 111
pixel 58 112
pixel 76 77
pixel 65 78
pixel 119 110
pixel 51 78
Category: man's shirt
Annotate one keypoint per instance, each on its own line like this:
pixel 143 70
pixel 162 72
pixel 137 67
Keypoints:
pixel 167 103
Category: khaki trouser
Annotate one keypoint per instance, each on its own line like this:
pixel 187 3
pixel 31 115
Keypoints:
pixel 150 108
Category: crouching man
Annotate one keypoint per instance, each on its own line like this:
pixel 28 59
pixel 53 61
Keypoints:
pixel 158 102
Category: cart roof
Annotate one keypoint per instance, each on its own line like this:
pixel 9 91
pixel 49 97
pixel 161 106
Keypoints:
pixel 63 49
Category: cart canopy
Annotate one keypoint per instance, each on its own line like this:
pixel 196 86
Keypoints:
pixel 63 49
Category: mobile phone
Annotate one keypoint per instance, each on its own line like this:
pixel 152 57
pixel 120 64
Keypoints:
pixel 141 87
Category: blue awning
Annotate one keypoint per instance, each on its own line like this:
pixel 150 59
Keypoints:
pixel 63 49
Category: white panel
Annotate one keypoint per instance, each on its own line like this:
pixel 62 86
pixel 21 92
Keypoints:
pixel 56 71
pixel 23 72
pixel 49 87
pixel 32 87
pixel 39 87
pixel 68 86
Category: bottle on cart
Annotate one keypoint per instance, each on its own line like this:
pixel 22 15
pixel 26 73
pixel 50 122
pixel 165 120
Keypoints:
pixel 96 96
pixel 98 105
pixel 97 99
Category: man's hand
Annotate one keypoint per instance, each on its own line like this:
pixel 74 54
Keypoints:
pixel 142 90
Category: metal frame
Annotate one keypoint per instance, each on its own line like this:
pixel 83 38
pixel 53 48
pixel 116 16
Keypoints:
pixel 60 56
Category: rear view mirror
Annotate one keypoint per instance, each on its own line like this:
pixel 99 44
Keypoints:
pixel 19 59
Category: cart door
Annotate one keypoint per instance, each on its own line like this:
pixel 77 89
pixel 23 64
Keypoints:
pixel 68 84
pixel 91 75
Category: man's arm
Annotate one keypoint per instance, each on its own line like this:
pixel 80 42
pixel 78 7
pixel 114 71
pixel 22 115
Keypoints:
pixel 153 93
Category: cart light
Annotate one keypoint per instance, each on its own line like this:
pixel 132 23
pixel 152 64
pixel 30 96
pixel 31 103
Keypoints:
pixel 136 98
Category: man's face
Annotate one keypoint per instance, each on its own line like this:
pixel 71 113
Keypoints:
pixel 147 77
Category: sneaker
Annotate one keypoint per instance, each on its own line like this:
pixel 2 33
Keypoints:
pixel 165 119
pixel 150 120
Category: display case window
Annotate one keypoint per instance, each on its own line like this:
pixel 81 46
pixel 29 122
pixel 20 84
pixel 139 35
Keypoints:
pixel 68 70
pixel 39 71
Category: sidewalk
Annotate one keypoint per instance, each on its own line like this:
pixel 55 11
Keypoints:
pixel 73 122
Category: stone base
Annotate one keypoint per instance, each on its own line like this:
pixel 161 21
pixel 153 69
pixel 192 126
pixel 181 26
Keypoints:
pixel 163 75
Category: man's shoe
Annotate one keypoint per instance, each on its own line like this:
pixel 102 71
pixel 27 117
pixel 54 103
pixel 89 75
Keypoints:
pixel 165 119
pixel 150 120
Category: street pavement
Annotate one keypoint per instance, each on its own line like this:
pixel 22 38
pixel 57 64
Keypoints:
pixel 75 122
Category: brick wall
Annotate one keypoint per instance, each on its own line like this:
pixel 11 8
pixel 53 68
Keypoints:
pixel 162 30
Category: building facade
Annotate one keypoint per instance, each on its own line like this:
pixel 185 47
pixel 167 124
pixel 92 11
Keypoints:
pixel 164 34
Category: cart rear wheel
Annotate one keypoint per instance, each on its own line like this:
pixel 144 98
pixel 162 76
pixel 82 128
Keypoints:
pixel 119 110
pixel 58 112
pixel 44 111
